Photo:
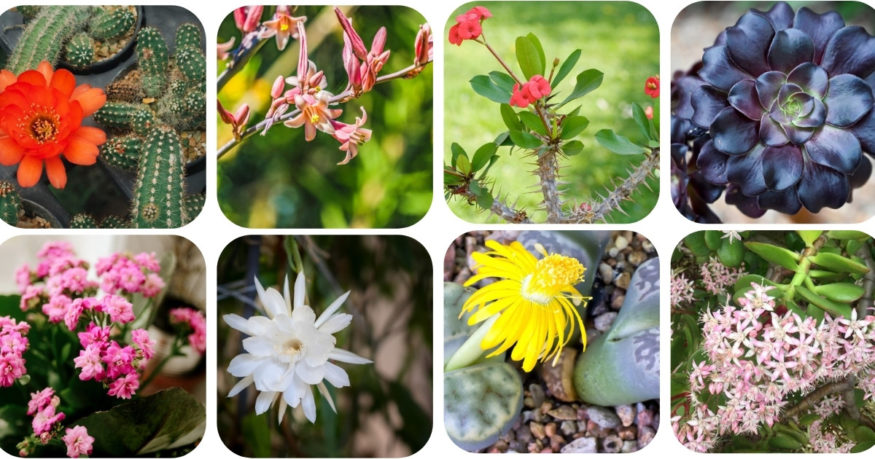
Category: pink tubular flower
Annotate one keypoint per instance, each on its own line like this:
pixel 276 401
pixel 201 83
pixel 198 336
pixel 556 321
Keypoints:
pixel 315 114
pixel 140 338
pixel 651 86
pixel 119 309
pixel 362 66
pixel 124 387
pixel 282 26
pixel 94 335
pixel 423 46
pixel 468 25
pixel 237 120
pixel 351 136
pixel 78 442
pixel 119 360
pixel 247 17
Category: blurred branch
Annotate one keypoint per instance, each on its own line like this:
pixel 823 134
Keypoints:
pixel 249 45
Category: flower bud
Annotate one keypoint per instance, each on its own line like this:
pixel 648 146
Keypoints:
pixel 278 85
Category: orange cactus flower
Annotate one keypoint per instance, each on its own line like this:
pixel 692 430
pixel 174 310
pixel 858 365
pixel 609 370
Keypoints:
pixel 41 114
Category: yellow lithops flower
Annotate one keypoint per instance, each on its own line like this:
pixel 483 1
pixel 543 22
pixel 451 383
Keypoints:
pixel 535 299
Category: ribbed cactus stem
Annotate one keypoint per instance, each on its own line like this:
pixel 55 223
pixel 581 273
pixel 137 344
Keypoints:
pixel 82 221
pixel 159 190
pixel 10 203
pixel 122 152
pixel 194 203
pixel 152 59
pixel 114 222
pixel 80 51
pixel 121 115
pixel 191 63
pixel 188 35
pixel 45 35
pixel 111 24
pixel 28 12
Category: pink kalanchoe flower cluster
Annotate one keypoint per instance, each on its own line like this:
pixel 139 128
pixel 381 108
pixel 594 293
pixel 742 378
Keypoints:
pixel 717 277
pixel 13 343
pixel 193 320
pixel 362 65
pixel 78 442
pixel 125 274
pixel 43 407
pixel 103 359
pixel 681 290
pixel 536 88
pixel 757 356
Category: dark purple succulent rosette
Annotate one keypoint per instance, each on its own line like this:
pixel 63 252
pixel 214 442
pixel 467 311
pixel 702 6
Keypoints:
pixel 788 102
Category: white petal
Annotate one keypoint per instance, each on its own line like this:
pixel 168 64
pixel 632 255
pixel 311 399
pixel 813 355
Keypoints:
pixel 260 346
pixel 286 295
pixel 260 290
pixel 293 393
pixel 260 325
pixel 238 323
pixel 299 290
pixel 243 365
pixel 336 323
pixel 281 411
pixel 324 391
pixel 274 303
pixel 335 375
pixel 304 314
pixel 331 308
pixel 264 401
pixel 309 405
pixel 308 374
pixel 270 376
pixel 242 384
pixel 342 355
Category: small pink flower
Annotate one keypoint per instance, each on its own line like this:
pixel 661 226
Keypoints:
pixel 31 297
pixel 46 419
pixel 90 363
pixel 651 86
pixel 247 18
pixel 194 320
pixel 351 136
pixel 130 278
pixel 40 400
pixel 22 278
pixel 315 114
pixel 648 112
pixel 423 46
pixel 468 25
pixel 56 308
pixel 78 442
pixel 94 335
pixel 74 312
pixel 282 26
pixel 118 308
pixel 119 360
pixel 55 249
pixel 362 66
pixel 124 387
pixel 237 120
pixel 153 285
pixel 534 89
pixel 140 337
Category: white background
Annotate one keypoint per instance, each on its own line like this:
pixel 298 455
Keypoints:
pixel 211 231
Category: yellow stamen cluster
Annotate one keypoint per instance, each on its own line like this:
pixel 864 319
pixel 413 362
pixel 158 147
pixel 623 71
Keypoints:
pixel 553 274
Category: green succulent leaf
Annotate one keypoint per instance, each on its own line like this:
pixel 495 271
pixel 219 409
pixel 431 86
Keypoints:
pixel 617 143
pixel 775 254
pixel 483 85
pixel 483 155
pixel 524 140
pixel 731 254
pixel 838 263
pixel 847 235
pixel 511 120
pixel 696 243
pixel 566 67
pixel 572 148
pixel 809 236
pixel 587 81
pixel 842 292
pixel 573 125
pixel 827 305
pixel 713 239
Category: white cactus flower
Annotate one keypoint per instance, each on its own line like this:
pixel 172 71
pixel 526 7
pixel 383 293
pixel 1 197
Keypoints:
pixel 289 350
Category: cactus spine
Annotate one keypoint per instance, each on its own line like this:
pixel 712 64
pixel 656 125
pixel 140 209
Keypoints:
pixel 152 59
pixel 111 24
pixel 193 205
pixel 159 190
pixel 80 50
pixel 10 203
pixel 188 35
pixel 28 11
pixel 191 63
pixel 122 152
pixel 82 221
pixel 45 35
pixel 114 222
pixel 122 115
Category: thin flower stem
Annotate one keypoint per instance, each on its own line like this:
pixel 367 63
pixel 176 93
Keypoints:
pixel 342 97
pixel 499 59
pixel 249 45
pixel 174 352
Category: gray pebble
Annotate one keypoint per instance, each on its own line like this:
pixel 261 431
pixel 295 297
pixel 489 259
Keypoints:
pixel 568 428
pixel 537 394
pixel 612 444
pixel 621 243
pixel 603 322
pixel 645 435
pixel 629 446
pixel 626 414
pixel 606 272
pixel 584 445
pixel 603 417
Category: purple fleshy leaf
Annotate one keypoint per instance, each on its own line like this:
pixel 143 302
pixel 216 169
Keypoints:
pixel 780 16
pixel 836 149
pixel 707 103
pixel 771 133
pixel 768 85
pixel 849 99
pixel 733 133
pixel 782 166
pixel 749 41
pixel 865 132
pixel 850 50
pixel 746 171
pixel 719 70
pixel 712 164
pixel 743 96
pixel 746 204
pixel 786 201
pixel 822 187
pixel 790 48
pixel 797 135
pixel 682 90
pixel 815 118
pixel 813 79
pixel 820 27
pixel 862 174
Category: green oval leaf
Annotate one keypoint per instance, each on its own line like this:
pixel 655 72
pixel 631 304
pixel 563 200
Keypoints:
pixel 784 441
pixel 587 81
pixel 838 263
pixel 502 81
pixel 532 122
pixel 847 234
pixel 731 254
pixel 542 58
pixel 572 148
pixel 641 121
pixel 696 243
pixel 524 140
pixel 809 236
pixel 463 164
pixel 482 156
pixel 713 239
pixel 457 151
pixel 481 84
pixel 572 126
pixel 510 118
pixel 566 67
pixel 617 143
pixel 843 292
pixel 823 303
pixel 528 57
pixel 775 254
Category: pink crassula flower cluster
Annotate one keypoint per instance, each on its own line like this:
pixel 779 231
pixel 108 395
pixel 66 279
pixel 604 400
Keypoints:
pixel 681 290
pixel 717 277
pixel 757 356
pixel 823 440
pixel 78 442
pixel 123 273
pixel 195 321
pixel 42 406
pixel 13 343
pixel 105 360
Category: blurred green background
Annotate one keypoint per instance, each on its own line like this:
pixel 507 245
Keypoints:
pixel 280 180
pixel 387 409
pixel 620 39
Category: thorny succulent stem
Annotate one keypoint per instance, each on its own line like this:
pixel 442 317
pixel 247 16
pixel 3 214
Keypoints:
pixel 500 209
pixel 344 96
pixel 548 171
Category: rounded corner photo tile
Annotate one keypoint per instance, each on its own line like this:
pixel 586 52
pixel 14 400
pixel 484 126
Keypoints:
pixel 102 346
pixel 325 116
pixel 771 341
pixel 325 346
pixel 551 342
pixel 772 112
pixel 104 120
pixel 546 120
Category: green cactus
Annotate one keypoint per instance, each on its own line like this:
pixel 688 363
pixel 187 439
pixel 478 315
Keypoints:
pixel 82 221
pixel 142 122
pixel 80 51
pixel 121 115
pixel 28 12
pixel 481 402
pixel 45 35
pixel 124 90
pixel 111 24
pixel 152 59
pixel 10 203
pixel 188 35
pixel 194 203
pixel 122 152
pixel 191 63
pixel 159 190
pixel 114 222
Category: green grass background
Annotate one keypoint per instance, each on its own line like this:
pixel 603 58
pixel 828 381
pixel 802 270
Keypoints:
pixel 621 39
